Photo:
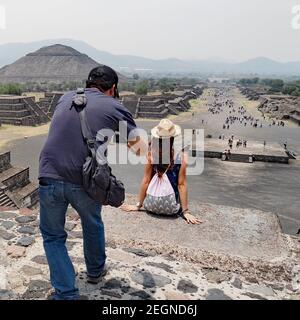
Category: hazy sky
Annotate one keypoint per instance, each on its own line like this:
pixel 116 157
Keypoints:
pixel 191 29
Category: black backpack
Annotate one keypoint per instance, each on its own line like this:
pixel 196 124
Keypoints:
pixel 98 180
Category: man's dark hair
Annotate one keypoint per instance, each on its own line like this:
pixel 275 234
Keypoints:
pixel 103 78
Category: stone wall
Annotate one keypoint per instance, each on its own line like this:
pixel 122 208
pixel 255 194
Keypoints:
pixel 4 161
pixel 18 180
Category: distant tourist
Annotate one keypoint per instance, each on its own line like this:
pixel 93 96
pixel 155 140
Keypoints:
pixel 164 189
pixel 61 180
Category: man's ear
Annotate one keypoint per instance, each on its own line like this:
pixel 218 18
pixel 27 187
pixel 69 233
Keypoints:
pixel 112 91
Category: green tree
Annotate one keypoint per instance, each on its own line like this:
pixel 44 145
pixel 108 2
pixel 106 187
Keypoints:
pixel 11 88
pixel 296 93
pixel 142 88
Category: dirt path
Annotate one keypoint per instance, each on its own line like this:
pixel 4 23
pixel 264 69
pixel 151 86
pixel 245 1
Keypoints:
pixel 9 133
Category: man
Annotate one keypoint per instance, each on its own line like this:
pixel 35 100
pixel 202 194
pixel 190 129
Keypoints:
pixel 60 178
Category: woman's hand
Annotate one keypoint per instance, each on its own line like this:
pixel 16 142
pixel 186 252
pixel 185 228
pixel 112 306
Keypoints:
pixel 130 208
pixel 190 219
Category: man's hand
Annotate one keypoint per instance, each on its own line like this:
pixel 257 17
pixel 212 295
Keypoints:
pixel 138 146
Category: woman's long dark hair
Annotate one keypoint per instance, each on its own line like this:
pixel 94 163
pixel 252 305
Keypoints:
pixel 162 154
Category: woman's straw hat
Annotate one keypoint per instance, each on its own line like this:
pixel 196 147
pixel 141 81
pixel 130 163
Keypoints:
pixel 166 129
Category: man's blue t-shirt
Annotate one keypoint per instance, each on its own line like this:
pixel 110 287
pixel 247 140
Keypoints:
pixel 65 151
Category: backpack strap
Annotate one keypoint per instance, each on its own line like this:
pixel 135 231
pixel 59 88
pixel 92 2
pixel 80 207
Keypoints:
pixel 79 102
pixel 169 166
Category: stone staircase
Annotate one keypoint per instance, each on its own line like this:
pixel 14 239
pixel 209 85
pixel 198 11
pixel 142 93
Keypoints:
pixel 5 201
pixel 16 189
pixel 49 102
pixel 41 116
pixel 53 104
pixel 172 109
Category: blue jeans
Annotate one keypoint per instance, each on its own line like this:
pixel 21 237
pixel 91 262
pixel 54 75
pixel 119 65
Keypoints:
pixel 55 197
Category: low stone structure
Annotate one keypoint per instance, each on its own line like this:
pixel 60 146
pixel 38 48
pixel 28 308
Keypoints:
pixel 16 190
pixel 272 152
pixel 157 107
pixel 21 111
pixel 253 93
pixel 282 107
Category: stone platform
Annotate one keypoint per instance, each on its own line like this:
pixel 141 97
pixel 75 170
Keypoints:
pixel 232 255
pixel 16 190
pixel 272 152
pixel 233 231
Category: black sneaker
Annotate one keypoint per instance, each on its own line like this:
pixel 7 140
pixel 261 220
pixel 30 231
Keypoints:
pixel 96 280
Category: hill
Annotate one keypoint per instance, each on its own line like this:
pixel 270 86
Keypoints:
pixel 258 66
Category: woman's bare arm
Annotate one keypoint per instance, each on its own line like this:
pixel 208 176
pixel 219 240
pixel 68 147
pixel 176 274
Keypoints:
pixel 183 191
pixel 182 183
pixel 145 182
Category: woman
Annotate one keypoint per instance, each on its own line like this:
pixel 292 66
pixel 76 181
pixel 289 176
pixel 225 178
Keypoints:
pixel 164 167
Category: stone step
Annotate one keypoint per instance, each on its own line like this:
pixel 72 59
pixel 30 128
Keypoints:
pixel 14 114
pixel 155 115
pixel 156 109
pixel 15 177
pixel 173 109
pixel 27 196
pixel 25 121
pixel 5 201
